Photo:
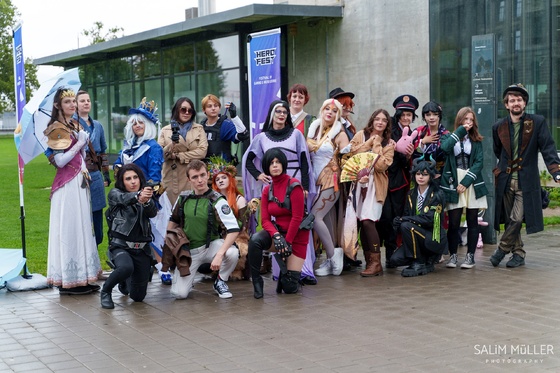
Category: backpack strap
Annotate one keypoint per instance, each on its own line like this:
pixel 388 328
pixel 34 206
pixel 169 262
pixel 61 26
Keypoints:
pixel 213 197
pixel 286 204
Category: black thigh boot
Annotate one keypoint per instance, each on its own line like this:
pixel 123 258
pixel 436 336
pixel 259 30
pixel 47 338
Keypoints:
pixel 258 243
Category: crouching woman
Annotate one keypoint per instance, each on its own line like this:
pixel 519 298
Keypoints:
pixel 423 235
pixel 128 217
pixel 282 210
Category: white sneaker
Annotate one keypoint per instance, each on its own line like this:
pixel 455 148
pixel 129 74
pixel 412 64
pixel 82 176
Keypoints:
pixel 325 268
pixel 337 261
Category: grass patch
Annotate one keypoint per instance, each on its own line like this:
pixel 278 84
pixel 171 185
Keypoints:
pixel 38 178
pixel 552 220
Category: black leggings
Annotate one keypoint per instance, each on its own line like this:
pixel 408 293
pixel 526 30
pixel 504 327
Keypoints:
pixel 133 263
pixel 453 229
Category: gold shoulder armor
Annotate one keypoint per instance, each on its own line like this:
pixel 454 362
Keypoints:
pixel 58 136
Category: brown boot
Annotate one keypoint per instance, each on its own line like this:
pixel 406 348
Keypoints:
pixel 373 264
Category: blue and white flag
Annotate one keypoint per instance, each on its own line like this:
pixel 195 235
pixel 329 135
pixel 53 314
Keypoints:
pixel 264 75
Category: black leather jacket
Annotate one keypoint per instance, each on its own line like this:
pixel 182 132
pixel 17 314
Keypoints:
pixel 126 211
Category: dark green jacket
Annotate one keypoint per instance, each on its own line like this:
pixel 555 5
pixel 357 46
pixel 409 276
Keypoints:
pixel 449 180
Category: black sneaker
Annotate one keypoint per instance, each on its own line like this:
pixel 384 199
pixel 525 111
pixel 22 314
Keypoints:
pixel 469 261
pixel 221 288
pixel 516 260
pixel 497 257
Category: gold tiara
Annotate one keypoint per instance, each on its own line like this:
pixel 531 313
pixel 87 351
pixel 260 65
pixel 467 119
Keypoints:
pixel 67 93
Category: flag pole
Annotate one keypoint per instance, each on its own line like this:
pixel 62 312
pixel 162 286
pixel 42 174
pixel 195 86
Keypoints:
pixel 20 100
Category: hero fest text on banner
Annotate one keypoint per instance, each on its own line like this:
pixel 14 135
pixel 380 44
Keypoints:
pixel 264 75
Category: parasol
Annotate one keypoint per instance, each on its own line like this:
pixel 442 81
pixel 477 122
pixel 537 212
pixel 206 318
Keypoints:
pixel 11 264
pixel 37 114
pixel 357 166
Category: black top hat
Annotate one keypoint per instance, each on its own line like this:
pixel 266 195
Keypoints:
pixel 340 92
pixel 517 88
pixel 406 102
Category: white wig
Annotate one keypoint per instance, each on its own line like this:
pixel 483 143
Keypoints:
pixel 150 130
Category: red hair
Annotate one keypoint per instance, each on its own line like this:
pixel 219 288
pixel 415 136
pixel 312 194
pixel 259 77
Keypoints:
pixel 346 101
pixel 231 192
pixel 299 88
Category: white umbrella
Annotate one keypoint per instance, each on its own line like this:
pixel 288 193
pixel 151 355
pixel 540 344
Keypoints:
pixel 30 142
pixel 37 114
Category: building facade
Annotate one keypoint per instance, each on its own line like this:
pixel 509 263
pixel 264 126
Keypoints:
pixel 459 53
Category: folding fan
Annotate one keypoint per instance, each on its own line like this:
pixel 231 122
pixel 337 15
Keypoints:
pixel 357 166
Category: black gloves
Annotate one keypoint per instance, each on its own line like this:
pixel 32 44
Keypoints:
pixel 107 177
pixel 282 247
pixel 232 110
pixel 397 223
pixel 175 136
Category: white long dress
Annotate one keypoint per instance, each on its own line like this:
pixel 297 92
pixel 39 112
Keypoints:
pixel 73 259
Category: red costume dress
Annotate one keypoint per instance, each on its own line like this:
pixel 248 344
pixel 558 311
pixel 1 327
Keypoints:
pixel 288 221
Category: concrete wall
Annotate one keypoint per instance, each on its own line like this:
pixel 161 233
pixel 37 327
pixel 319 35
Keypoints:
pixel 378 50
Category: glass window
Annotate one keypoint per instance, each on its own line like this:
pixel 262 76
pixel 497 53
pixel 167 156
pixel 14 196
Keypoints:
pixel 93 74
pixel 120 69
pixel 178 60
pixel 553 90
pixel 121 95
pixel 501 11
pixel 224 85
pixel 227 51
pixel 526 41
pixel 217 54
pixel 192 70
pixel 175 87
pixel 146 65
pixel 500 44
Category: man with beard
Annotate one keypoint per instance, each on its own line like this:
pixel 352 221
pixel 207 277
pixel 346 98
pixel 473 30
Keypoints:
pixel 518 138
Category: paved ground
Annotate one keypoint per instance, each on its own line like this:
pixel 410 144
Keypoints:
pixel 481 320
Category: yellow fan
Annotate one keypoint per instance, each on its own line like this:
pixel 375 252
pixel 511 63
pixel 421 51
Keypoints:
pixel 357 166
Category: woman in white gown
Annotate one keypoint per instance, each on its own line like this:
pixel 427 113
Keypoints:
pixel 73 261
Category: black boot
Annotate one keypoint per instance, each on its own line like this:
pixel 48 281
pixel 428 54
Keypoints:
pixel 258 287
pixel 417 268
pixel 279 287
pixel 107 300
pixel 290 282
pixel 257 243
pixel 123 286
